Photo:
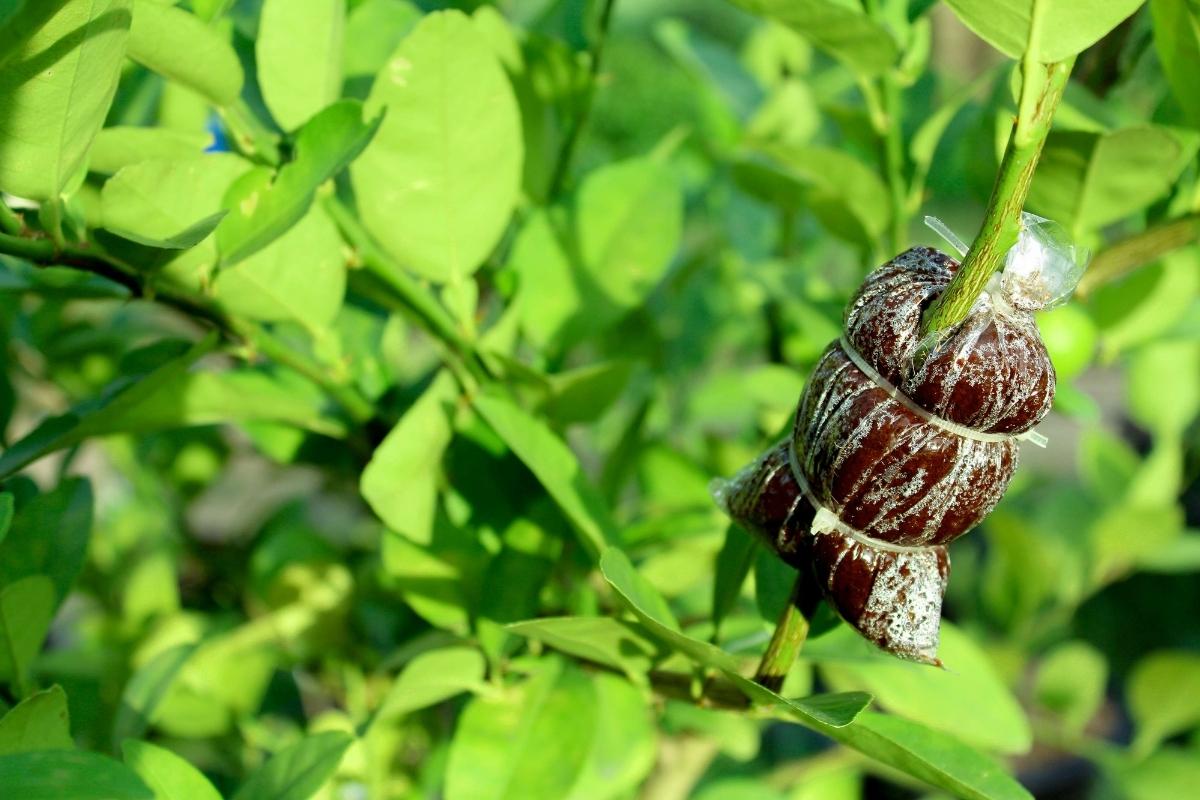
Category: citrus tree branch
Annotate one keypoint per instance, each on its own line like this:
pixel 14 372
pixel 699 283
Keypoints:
pixel 45 253
pixel 1123 257
pixel 790 632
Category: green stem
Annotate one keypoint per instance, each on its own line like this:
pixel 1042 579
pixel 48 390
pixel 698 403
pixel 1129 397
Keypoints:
pixel 10 221
pixel 1041 91
pixel 562 166
pixel 893 152
pixel 356 405
pixel 1123 257
pixel 790 632
pixel 404 289
pixel 44 252
pixel 252 138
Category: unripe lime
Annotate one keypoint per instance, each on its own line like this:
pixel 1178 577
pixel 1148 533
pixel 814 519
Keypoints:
pixel 1070 337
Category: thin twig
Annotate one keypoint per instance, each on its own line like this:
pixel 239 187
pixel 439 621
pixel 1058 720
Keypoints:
pixel 1123 257
pixel 563 164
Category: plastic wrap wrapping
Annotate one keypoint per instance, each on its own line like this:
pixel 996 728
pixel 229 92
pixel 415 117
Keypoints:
pixel 888 462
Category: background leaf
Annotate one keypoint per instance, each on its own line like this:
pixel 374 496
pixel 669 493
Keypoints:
pixel 39 722
pixel 439 181
pixel 168 776
pixel 78 774
pixel 298 771
pixel 1067 27
pixel 55 89
pixel 180 47
pixel 299 58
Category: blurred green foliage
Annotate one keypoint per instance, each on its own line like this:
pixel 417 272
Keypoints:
pixel 366 364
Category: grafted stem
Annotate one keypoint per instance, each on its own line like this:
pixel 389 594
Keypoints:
pixel 1041 91
pixel 790 632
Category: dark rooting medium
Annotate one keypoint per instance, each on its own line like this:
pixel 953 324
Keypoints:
pixel 888 462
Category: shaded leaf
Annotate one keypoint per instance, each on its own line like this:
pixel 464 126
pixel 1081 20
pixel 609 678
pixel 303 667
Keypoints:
pixel 297 771
pixel 49 537
pixel 39 722
pixel 554 465
pixel 26 608
pixel 74 774
pixel 146 689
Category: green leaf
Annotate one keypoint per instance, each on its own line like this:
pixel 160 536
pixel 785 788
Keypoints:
pixel 433 677
pixel 26 609
pixel 181 240
pixel 301 276
pixel 1163 386
pixel 833 711
pixel 1067 27
pixel 1170 772
pixel 936 697
pixel 56 86
pixel 623 749
pixel 122 145
pixel 1070 683
pixel 931 756
pixel 604 640
pixel 438 183
pixel 146 690
pixel 101 415
pixel 846 195
pixel 584 394
pixel 733 565
pixel 552 294
pixel 1164 697
pixel 168 776
pixel 628 220
pixel 39 722
pixel 924 143
pixel 174 204
pixel 773 582
pixel 299 57
pixel 297 771
pixel 180 47
pixel 532 740
pixel 376 28
pixel 1177 39
pixel 1086 180
pixel 324 147
pixel 6 514
pixel 49 537
pixel 555 466
pixel 400 482
pixel 439 581
pixel 74 774
pixel 844 31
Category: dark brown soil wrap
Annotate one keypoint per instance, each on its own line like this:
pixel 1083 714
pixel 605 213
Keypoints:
pixel 875 481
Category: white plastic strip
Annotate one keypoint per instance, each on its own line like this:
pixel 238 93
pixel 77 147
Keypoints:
pixel 943 230
pixel 826 521
pixel 933 419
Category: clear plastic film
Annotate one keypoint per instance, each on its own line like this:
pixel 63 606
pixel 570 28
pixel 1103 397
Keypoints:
pixel 1040 271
